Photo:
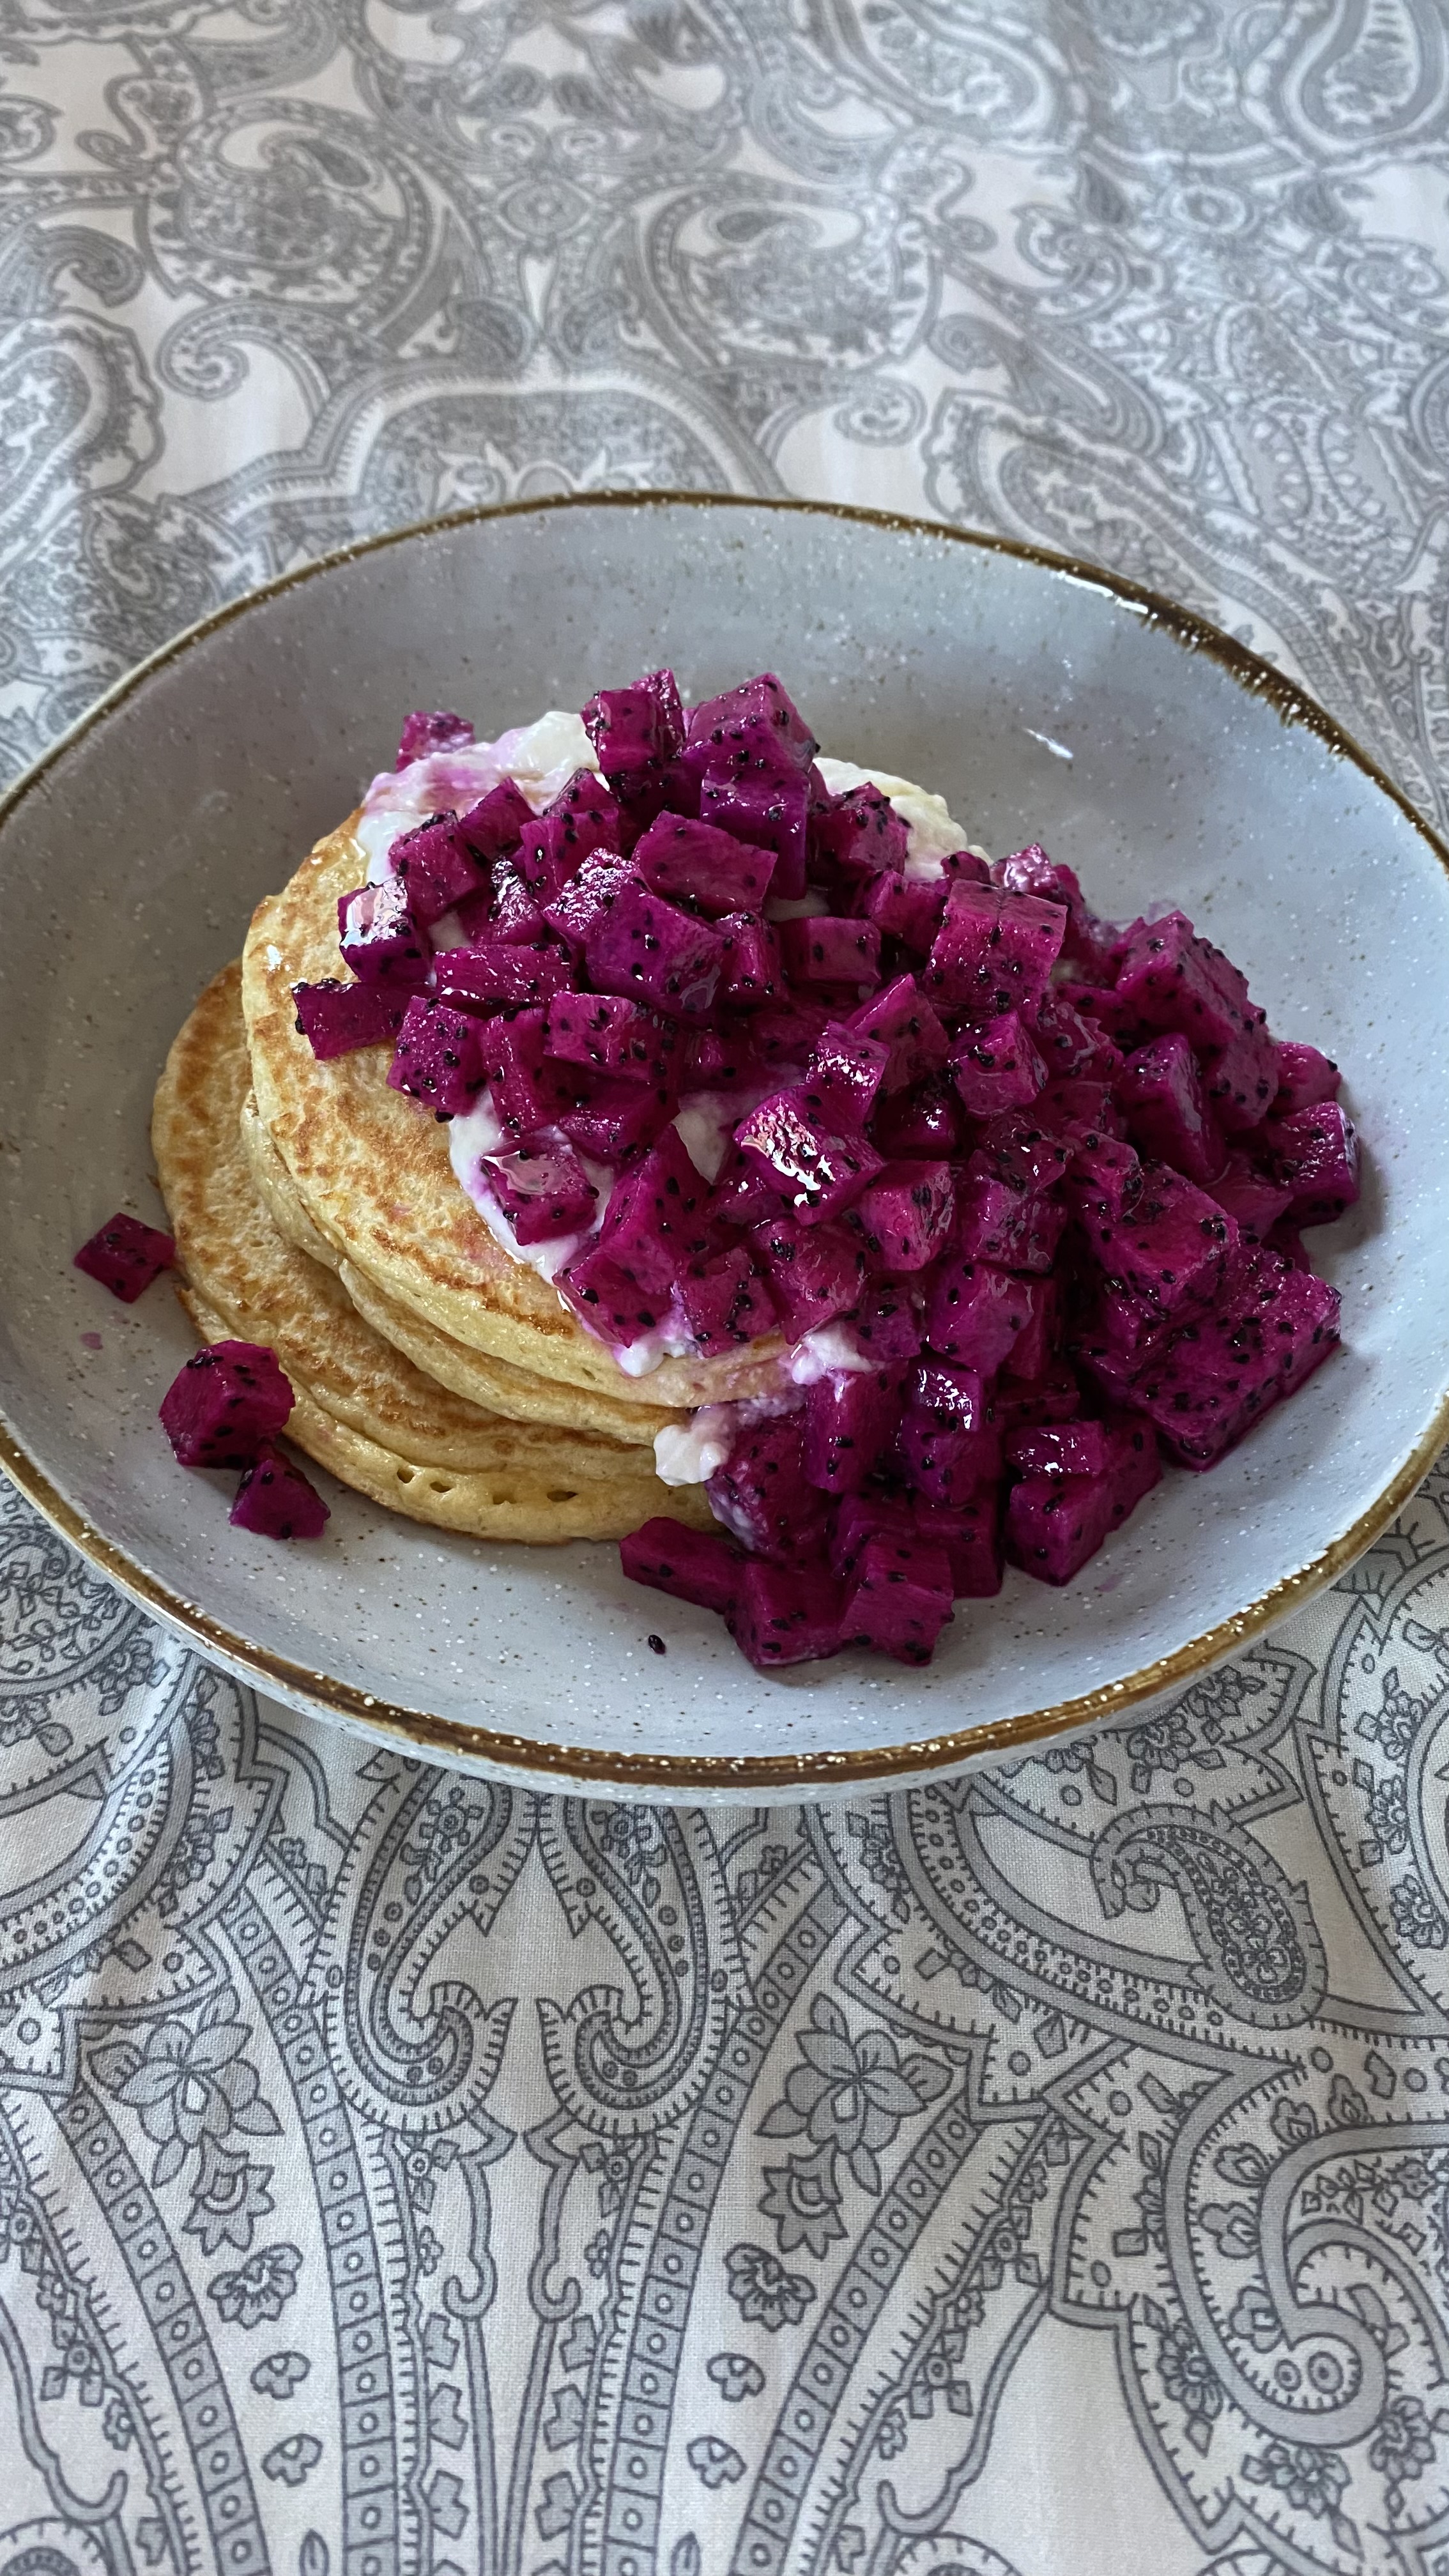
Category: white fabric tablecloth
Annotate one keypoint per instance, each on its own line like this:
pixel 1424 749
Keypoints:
pixel 1047 2176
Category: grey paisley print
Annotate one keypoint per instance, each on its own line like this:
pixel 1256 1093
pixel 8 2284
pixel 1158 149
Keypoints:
pixel 1046 2175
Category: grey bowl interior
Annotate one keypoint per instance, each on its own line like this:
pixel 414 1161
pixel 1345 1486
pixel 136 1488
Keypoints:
pixel 131 861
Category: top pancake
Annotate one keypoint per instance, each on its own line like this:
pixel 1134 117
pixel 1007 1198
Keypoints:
pixel 374 1176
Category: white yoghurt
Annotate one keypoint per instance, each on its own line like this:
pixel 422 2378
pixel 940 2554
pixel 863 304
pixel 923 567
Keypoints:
pixel 830 1351
pixel 539 758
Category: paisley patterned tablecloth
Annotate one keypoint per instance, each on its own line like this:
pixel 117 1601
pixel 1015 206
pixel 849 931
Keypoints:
pixel 1044 2176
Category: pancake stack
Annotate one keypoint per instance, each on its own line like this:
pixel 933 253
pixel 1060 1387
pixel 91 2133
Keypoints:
pixel 316 1211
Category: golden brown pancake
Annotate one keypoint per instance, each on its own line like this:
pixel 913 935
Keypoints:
pixel 373 1176
pixel 495 1384
pixel 363 1409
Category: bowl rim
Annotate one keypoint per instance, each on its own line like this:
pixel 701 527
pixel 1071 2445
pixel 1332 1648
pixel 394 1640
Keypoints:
pixel 622 1771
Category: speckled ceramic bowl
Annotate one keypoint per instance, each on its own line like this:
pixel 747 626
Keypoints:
pixel 1048 704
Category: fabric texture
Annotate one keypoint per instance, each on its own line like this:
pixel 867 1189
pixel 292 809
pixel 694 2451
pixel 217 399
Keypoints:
pixel 1046 2175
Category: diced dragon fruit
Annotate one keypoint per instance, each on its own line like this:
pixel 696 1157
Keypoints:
pixel 905 1215
pixel 1032 1352
pixel 229 1398
pixel 908 909
pixel 692 1565
pixel 750 972
pixel 125 1256
pixel 505 910
pixel 528 1091
pixel 717 1059
pixel 750 752
pixel 275 1500
pixel 976 1314
pixel 995 1221
pixel 1285 1238
pixel 860 1518
pixel 638 734
pixel 1120 1324
pixel 885 1322
pixel 542 1188
pixel 759 796
pixel 607 1301
pixel 646 948
pixel 657 1221
pixel 1219 1373
pixel 949 1439
pixel 725 1301
pixel 1016 1148
pixel 610 1034
pixel 785 1032
pixel 438 1059
pixel 1054 1524
pixel 1055 1396
pixel 851 1420
pixel 1171 1246
pixel 1098 1007
pixel 900 1599
pixel 818 1173
pixel 496 976
pixel 1160 1091
pixel 335 1018
pixel 1081 1110
pixel 843 1076
pixel 1030 871
pixel 786 1616
pixel 1252 1198
pixel 814 1273
pixel 996 1066
pixel 860 833
pixel 583 818
pixel 763 700
pixel 1073 1047
pixel 1065 1448
pixel 435 865
pixel 1136 1468
pixel 901 1018
pixel 424 732
pixel 379 938
pixel 1103 1181
pixel 993 951
pixel 970 1532
pixel 1304 1078
pixel 763 1494
pixel 827 950
pixel 616 1116
pixel 496 823
pixel 943 1461
pixel 1173 979
pixel 1315 1151
pixel 580 904
pixel 923 1124
pixel 695 863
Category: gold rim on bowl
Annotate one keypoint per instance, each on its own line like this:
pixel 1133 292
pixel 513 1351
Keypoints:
pixel 418 1729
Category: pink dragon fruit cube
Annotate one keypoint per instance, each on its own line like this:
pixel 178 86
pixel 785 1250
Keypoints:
pixel 125 1256
pixel 691 1565
pixel 336 1018
pixel 438 1060
pixel 229 1398
pixel 275 1499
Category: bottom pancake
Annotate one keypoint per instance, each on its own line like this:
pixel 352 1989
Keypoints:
pixel 363 1409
